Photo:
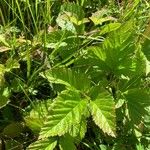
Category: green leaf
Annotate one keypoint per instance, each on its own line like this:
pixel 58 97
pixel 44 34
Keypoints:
pixel 99 17
pixel 67 77
pixel 79 130
pixel 64 22
pixel 116 52
pixel 137 101
pixel 64 44
pixel 34 124
pixel 74 9
pixel 70 13
pixel 103 147
pixel 139 146
pixel 102 20
pixel 119 103
pixel 139 61
pixel 35 118
pixel 57 37
pixel 3 40
pixel 66 113
pixel 11 64
pixel 45 144
pixel 74 20
pixel 103 113
pixel 4 97
pixel 146 48
pixel 66 142
pixel 110 27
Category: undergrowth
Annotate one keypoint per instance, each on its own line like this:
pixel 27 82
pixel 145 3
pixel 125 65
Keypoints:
pixel 74 75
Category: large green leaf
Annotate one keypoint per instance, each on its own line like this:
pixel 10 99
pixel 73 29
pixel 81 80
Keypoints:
pixel 137 101
pixel 44 144
pixel 68 77
pixel 66 113
pixel 117 50
pixel 103 113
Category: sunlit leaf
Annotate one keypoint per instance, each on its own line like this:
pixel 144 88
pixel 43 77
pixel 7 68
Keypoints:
pixel 102 20
pixel 103 113
pixel 110 27
pixel 68 77
pixel 98 17
pixel 11 64
pixel 3 40
pixel 44 144
pixel 115 51
pixel 67 111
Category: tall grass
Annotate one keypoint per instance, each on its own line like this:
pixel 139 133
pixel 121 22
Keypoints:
pixel 30 16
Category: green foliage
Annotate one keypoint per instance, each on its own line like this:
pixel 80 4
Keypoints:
pixel 65 141
pixel 74 75
pixel 103 112
pixel 65 116
pixel 138 100
pixel 48 144
pixel 69 78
